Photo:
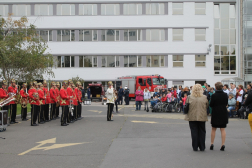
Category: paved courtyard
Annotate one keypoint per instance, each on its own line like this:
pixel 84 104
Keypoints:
pixel 133 140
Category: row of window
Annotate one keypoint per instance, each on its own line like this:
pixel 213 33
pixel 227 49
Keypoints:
pixel 115 35
pixel 106 9
pixel 128 61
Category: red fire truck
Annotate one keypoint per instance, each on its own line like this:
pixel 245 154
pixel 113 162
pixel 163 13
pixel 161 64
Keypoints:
pixel 149 81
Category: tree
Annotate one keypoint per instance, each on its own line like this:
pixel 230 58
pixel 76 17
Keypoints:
pixel 22 53
pixel 75 79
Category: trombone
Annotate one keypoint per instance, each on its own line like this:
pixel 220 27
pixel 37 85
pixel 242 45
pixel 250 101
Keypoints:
pixel 8 100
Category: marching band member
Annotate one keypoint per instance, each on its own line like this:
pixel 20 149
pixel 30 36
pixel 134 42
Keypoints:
pixel 57 90
pixel 24 99
pixel 110 100
pixel 47 101
pixel 53 103
pixel 79 96
pixel 34 99
pixel 75 103
pixel 64 102
pixel 4 95
pixel 69 93
pixel 13 105
pixel 41 116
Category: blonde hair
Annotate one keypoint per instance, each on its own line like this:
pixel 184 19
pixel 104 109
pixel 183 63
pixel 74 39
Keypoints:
pixel 197 90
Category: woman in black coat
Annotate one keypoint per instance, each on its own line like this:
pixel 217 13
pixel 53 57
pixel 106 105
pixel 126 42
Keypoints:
pixel 219 118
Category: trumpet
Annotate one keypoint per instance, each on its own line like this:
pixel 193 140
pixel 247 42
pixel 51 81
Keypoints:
pixel 8 100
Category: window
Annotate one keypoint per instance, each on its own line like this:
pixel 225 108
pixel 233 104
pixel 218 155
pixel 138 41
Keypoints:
pixel 87 35
pixel 65 61
pixel 130 61
pixel 200 34
pixel 43 10
pixel 177 8
pixel 178 60
pixel 200 60
pixel 65 35
pixel 46 35
pixel 177 34
pixel 87 61
pixel 139 61
pixel 155 8
pixel 110 35
pixel 224 39
pixel 132 9
pixel 21 10
pixel 65 9
pixel 155 34
pixel 87 9
pixel 154 61
pixel 132 35
pixel 4 10
pixel 110 9
pixel 200 8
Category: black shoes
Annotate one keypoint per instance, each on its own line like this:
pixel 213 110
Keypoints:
pixel 12 122
pixel 222 148
pixel 63 124
pixel 42 122
pixel 34 125
pixel 24 119
pixel 211 147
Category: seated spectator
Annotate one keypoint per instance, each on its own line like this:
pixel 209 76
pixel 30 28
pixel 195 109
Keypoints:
pixel 231 104
pixel 244 109
pixel 154 101
pixel 173 99
pixel 164 98
pixel 156 93
pixel 169 96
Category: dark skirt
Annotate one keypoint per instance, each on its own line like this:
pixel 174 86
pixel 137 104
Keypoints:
pixel 219 126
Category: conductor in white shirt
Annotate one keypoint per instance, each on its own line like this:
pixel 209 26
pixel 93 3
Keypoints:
pixel 110 100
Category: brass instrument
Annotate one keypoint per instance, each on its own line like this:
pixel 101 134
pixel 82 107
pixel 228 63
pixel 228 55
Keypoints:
pixel 18 96
pixel 8 100
pixel 58 103
pixel 24 101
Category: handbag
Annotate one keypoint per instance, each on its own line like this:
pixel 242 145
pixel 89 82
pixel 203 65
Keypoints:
pixel 186 107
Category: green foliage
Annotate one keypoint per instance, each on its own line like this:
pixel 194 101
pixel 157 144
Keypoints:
pixel 22 54
pixel 75 79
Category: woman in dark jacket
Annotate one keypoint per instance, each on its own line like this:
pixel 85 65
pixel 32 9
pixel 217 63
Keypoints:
pixel 219 118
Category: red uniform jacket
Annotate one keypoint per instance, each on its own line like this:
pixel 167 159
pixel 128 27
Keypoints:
pixel 12 90
pixel 64 97
pixel 57 94
pixel 75 100
pixel 46 92
pixel 52 95
pixel 24 96
pixel 69 91
pixel 78 94
pixel 3 95
pixel 41 97
pixel 33 100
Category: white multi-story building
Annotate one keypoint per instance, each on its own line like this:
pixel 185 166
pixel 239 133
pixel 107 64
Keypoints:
pixel 99 40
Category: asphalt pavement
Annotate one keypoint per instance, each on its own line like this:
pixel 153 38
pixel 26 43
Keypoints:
pixel 135 139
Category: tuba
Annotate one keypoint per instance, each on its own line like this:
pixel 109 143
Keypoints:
pixel 18 96
pixel 8 100
pixel 24 101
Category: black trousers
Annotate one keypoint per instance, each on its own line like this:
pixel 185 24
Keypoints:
pixel 57 111
pixel 13 112
pixel 53 110
pixel 241 111
pixel 65 111
pixel 79 109
pixel 109 111
pixel 34 113
pixel 70 115
pixel 46 111
pixel 116 105
pixel 198 134
pixel 41 116
pixel 75 112
pixel 127 100
pixel 120 101
pixel 23 113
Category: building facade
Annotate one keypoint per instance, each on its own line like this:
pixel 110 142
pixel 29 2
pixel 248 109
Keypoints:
pixel 99 40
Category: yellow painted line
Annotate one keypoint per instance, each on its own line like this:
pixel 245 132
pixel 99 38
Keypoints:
pixel 54 146
pixel 95 111
pixel 146 122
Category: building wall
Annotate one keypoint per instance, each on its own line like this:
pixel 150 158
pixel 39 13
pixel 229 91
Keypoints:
pixel 188 47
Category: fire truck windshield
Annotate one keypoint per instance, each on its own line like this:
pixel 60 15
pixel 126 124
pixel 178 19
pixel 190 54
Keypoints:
pixel 160 81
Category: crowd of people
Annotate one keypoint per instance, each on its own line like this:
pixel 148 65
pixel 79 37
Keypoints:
pixel 68 97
